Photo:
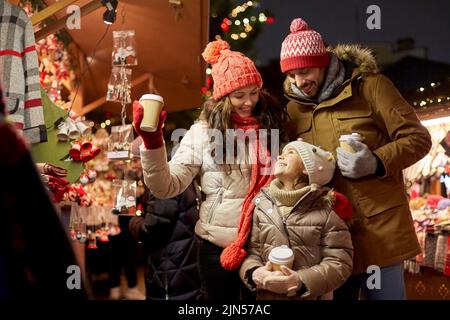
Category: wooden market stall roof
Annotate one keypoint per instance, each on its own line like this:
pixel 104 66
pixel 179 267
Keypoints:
pixel 170 36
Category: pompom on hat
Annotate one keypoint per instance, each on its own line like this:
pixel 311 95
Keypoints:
pixel 231 70
pixel 303 48
pixel 341 205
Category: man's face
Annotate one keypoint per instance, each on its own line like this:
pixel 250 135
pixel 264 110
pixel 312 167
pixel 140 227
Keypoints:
pixel 308 80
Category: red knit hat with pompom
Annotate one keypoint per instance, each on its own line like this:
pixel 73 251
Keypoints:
pixel 231 70
pixel 303 48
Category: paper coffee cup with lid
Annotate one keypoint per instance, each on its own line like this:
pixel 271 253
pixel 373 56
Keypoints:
pixel 345 138
pixel 282 255
pixel 152 105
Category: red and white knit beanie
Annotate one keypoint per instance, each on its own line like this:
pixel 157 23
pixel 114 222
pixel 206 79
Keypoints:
pixel 303 48
pixel 231 70
pixel 319 164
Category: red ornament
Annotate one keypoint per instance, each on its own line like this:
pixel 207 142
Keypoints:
pixel 225 27
pixel 270 20
pixel 209 82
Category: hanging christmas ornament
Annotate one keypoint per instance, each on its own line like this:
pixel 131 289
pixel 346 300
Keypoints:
pixel 130 202
pixel 92 174
pixel 104 232
pixel 119 85
pixel 124 48
pixel 119 90
pixel 114 230
pixel 84 179
pixel 92 240
pixel 120 140
pixel 104 237
pixel 75 151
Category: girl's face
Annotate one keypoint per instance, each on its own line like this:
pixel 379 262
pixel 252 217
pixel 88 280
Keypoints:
pixel 244 100
pixel 289 166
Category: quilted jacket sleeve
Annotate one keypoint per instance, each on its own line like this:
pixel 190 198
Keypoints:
pixel 337 260
pixel 155 227
pixel 253 259
pixel 169 179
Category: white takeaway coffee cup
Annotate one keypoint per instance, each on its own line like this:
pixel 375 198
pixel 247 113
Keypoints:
pixel 282 255
pixel 343 140
pixel 152 105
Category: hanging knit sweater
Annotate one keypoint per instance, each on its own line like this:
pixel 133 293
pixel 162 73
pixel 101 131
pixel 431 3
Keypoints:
pixel 19 72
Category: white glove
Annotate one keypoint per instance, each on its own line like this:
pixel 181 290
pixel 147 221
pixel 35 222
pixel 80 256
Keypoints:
pixel 286 283
pixel 356 165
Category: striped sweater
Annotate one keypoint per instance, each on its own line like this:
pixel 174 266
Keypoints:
pixel 19 72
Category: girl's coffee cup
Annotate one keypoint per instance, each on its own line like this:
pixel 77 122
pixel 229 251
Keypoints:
pixel 152 105
pixel 282 255
pixel 343 140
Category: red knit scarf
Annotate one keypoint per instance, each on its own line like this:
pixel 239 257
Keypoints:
pixel 233 255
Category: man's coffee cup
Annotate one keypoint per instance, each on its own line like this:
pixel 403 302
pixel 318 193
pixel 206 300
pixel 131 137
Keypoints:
pixel 281 255
pixel 152 105
pixel 344 139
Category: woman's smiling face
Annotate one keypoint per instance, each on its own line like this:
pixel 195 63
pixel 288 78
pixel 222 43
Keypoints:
pixel 244 100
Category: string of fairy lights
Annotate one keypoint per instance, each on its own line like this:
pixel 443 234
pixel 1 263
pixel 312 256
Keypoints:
pixel 432 98
pixel 237 26
pixel 246 25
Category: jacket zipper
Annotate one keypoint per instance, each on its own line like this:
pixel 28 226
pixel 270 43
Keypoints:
pixel 284 219
pixel 214 205
pixel 286 230
pixel 278 212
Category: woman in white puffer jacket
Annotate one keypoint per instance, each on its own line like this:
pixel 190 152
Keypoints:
pixel 227 182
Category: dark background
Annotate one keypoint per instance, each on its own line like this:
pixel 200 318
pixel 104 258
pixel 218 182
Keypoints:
pixel 344 21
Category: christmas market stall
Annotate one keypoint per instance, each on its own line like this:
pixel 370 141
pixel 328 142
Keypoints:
pixel 87 61
pixel 428 184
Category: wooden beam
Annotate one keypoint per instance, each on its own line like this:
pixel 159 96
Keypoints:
pixel 99 102
pixel 60 23
pixel 51 10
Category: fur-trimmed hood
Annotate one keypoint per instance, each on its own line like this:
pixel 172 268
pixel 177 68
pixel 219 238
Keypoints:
pixel 359 56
